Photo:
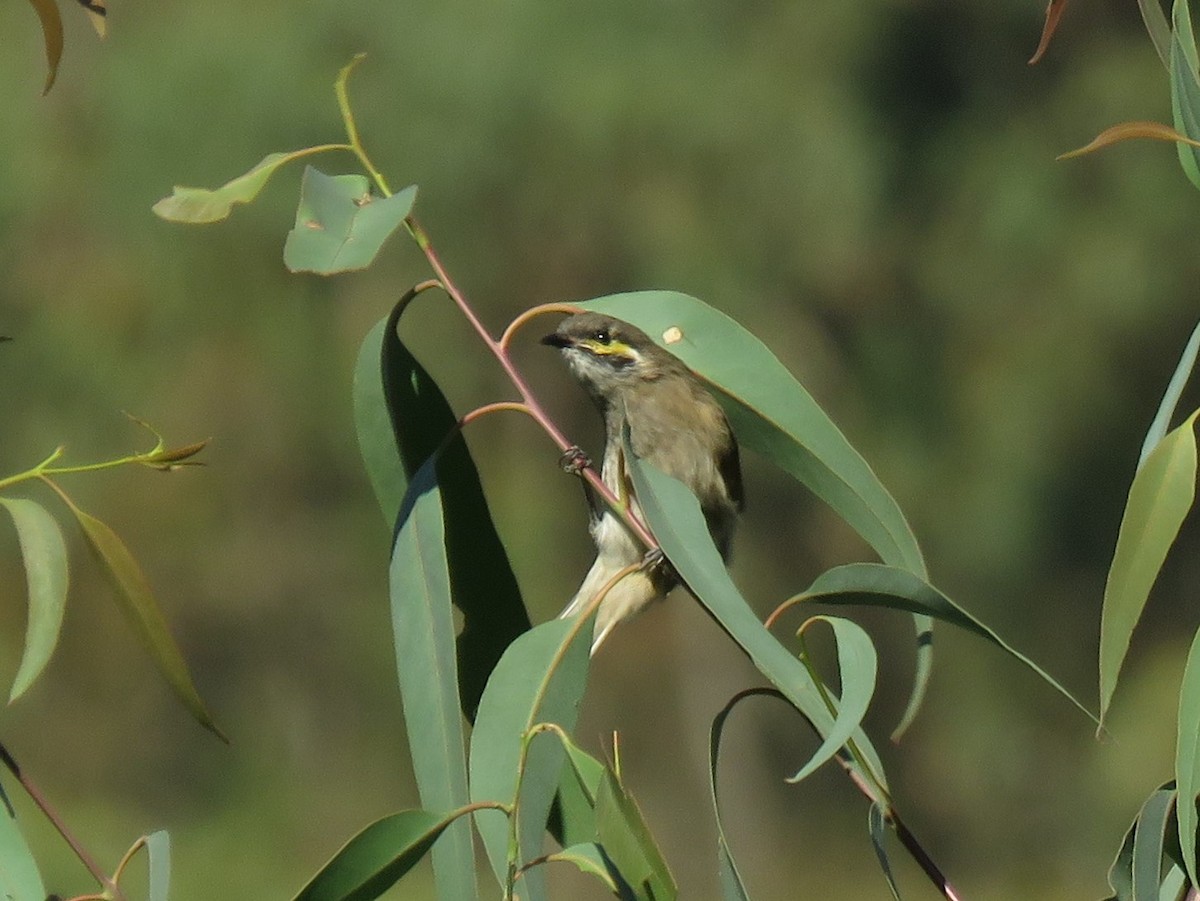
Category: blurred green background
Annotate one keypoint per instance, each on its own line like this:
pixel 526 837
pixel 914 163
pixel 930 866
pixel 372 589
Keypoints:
pixel 870 187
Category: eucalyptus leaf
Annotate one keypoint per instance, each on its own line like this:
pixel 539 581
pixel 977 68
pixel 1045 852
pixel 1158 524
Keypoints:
pixel 877 828
pixel 1185 88
pixel 19 876
pixel 202 205
pixel 158 854
pixel 627 842
pixel 1148 844
pixel 1166 408
pixel 52 37
pixel 1187 758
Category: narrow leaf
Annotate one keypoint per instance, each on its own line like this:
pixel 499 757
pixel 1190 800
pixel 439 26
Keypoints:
pixel 141 609
pixel 52 36
pixel 857 665
pixel 774 415
pixel 19 876
pixel 1159 499
pixel 1187 757
pixel 877 827
pixel 1148 845
pixel 540 679
pixel 1127 131
pixel 1158 28
pixel 375 859
pixel 1120 872
pixel 1172 885
pixel 200 205
pixel 373 426
pixel 97 14
pixel 158 852
pixel 1166 408
pixel 45 557
pixel 423 629
pixel 1185 89
pixel 340 224
pixel 627 842
pixel 876 585
pixel 673 515
pixel 573 818
pixel 1054 11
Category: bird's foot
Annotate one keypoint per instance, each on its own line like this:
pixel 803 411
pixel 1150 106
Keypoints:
pixel 574 460
pixel 653 558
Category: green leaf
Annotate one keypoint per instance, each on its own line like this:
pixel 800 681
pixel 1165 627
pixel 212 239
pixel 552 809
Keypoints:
pixel 674 517
pixel 141 609
pixel 857 666
pixel 573 819
pixel 774 415
pixel 373 426
pixel 340 224
pixel 375 859
pixel 201 205
pixel 540 679
pixel 1166 408
pixel 423 630
pixel 1172 885
pixel 1185 89
pixel 1120 873
pixel 1187 757
pixel 1158 28
pixel 627 842
pixel 1148 845
pixel 45 556
pixel 1159 499
pixel 52 36
pixel 158 851
pixel 873 584
pixel 19 876
pixel 877 827
pixel 589 858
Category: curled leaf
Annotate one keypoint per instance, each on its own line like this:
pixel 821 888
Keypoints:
pixel 1054 11
pixel 1128 131
pixel 52 35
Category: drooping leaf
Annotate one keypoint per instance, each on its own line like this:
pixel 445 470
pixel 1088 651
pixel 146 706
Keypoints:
pixel 1128 131
pixel 540 679
pixel 1159 499
pixel 137 602
pixel 573 818
pixel 1170 400
pixel 877 827
pixel 97 14
pixel 1185 89
pixel 857 665
pixel 158 854
pixel 19 876
pixel 423 632
pixel 774 415
pixel 627 842
pixel 52 36
pixel 1158 28
pixel 1120 872
pixel 1054 11
pixel 377 857
pixel 1187 757
pixel 589 858
pixel 340 224
pixel 876 585
pixel 373 426
pixel 1148 845
pixel 200 205
pixel 45 557
pixel 674 517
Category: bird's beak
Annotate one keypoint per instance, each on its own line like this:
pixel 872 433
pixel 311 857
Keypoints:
pixel 554 339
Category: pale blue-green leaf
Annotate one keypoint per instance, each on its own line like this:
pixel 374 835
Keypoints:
pixel 1185 89
pixel 423 629
pixel 373 426
pixel 539 679
pixel 874 584
pixel 628 844
pixel 1120 872
pixel 674 517
pixel 1158 28
pixel 857 666
pixel 1159 499
pixel 158 854
pixel 19 876
pixel 1148 845
pixel 1187 757
pixel 44 553
pixel 588 857
pixel 1166 408
pixel 573 820
pixel 377 857
pixel 201 205
pixel 772 413
pixel 340 224
pixel 1172 885
pixel 877 827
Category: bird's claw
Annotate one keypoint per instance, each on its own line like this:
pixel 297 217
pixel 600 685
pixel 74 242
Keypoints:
pixel 653 558
pixel 574 460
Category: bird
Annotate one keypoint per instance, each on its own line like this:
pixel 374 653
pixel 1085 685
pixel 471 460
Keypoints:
pixel 674 424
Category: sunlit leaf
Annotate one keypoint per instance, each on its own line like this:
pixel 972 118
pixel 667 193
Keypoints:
pixel 52 36
pixel 19 876
pixel 674 516
pixel 540 679
pixel 423 630
pixel 627 842
pixel 200 205
pixel 340 224
pixel 1166 408
pixel 1148 845
pixel 142 611
pixel 1159 499
pixel 158 853
pixel 873 584
pixel 1054 11
pixel 45 557
pixel 1187 757
pixel 573 819
pixel 1128 131
pixel 375 859
pixel 774 415
pixel 857 666
pixel 1185 89
pixel 877 827
pixel 589 858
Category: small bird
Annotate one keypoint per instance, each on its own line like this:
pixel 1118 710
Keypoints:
pixel 674 424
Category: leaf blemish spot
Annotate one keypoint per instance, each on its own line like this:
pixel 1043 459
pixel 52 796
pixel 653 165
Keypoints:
pixel 673 335
pixel 314 225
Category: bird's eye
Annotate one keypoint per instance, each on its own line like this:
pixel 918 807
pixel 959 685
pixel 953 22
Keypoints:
pixel 602 336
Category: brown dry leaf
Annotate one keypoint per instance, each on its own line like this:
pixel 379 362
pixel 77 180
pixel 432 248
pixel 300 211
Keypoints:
pixel 1127 131
pixel 1054 13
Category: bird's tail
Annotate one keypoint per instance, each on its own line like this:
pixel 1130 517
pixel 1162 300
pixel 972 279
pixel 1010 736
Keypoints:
pixel 628 597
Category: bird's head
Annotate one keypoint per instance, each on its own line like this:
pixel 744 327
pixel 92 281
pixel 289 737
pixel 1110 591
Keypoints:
pixel 607 354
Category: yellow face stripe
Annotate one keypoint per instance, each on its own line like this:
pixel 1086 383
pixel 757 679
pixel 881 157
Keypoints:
pixel 613 348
